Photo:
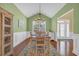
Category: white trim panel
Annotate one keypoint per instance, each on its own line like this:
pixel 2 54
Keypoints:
pixel 18 37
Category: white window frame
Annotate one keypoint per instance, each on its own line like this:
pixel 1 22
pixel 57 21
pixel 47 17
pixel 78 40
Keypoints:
pixel 66 33
pixel 33 23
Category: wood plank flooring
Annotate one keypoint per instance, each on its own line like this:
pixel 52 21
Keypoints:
pixel 18 49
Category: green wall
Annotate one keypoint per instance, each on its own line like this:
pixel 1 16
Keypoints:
pixel 51 24
pixel 36 16
pixel 17 15
pixel 66 8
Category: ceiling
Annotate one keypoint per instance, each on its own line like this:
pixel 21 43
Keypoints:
pixel 48 9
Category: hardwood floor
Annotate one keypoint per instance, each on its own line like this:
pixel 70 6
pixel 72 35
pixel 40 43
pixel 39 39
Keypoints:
pixel 54 43
pixel 19 48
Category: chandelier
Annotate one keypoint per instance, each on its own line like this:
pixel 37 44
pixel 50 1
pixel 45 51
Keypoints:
pixel 39 19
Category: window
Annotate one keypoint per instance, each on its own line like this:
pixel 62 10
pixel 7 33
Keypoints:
pixel 63 29
pixel 39 25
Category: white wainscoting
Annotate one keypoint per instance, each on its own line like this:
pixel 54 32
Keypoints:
pixel 18 37
pixel 76 44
